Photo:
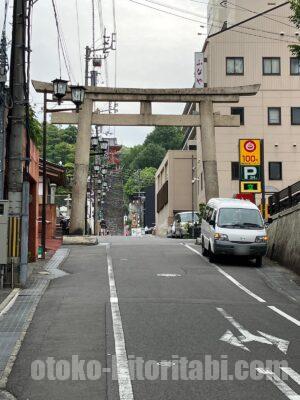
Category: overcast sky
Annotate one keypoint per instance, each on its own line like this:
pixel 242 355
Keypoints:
pixel 153 50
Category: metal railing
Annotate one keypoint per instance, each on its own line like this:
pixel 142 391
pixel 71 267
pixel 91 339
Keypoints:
pixel 284 199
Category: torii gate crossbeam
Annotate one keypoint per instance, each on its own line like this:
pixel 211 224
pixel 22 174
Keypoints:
pixel 206 119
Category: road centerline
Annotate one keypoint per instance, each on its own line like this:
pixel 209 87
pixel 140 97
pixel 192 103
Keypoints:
pixel 124 380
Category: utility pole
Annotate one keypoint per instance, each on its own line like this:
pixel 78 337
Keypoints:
pixel 17 116
pixel 3 71
pixel 16 191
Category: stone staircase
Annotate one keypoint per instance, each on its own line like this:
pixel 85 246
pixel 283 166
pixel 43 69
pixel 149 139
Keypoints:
pixel 114 205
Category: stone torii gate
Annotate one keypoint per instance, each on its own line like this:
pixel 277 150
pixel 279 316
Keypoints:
pixel 206 120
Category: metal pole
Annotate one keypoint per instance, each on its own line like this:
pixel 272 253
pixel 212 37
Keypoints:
pixel 43 238
pixel 87 59
pixel 3 70
pixel 263 182
pixel 24 233
pixel 193 202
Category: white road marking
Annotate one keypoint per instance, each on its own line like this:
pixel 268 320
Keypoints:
pixel 168 275
pixel 233 280
pixel 282 386
pixel 247 336
pixel 124 381
pixel 15 293
pixel 293 374
pixel 283 314
pixel 234 341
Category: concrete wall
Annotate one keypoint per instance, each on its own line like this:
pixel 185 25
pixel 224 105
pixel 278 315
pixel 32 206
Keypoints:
pixel 286 225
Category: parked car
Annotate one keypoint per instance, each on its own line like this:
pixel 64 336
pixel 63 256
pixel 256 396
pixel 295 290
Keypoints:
pixel 233 227
pixel 183 222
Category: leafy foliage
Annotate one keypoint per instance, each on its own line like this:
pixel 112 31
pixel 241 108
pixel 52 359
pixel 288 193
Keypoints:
pixel 149 155
pixel 168 137
pixel 35 128
pixel 295 18
pixel 139 180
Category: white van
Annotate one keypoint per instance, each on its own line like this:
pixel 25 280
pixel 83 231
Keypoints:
pixel 233 227
pixel 182 221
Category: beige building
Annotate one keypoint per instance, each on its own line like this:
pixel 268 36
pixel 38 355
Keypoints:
pixel 222 14
pixel 255 51
pixel 173 187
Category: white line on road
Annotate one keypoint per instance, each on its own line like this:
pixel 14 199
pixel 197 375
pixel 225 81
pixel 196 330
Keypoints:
pixel 12 298
pixel 282 386
pixel 283 314
pixel 233 280
pixel 293 374
pixel 124 381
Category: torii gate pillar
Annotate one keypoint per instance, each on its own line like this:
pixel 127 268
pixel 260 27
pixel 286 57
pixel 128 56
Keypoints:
pixel 209 153
pixel 81 168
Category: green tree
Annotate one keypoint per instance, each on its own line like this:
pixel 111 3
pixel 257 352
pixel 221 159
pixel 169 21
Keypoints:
pixel 35 128
pixel 139 180
pixel 151 156
pixel 168 137
pixel 295 18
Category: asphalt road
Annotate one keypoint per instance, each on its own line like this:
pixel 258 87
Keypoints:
pixel 185 328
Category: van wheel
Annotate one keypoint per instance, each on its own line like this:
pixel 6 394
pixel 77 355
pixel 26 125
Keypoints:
pixel 204 250
pixel 211 256
pixel 258 262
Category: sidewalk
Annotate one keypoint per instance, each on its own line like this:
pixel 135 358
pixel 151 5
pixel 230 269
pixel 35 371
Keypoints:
pixel 3 294
pixel 16 318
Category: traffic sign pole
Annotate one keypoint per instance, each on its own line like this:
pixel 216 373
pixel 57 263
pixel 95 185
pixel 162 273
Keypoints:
pixel 263 181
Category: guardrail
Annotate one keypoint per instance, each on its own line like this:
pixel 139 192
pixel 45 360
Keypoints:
pixel 284 199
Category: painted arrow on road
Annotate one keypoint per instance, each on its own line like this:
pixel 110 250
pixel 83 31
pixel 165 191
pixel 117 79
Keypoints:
pixel 247 337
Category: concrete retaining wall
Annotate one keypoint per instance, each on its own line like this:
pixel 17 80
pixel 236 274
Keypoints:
pixel 284 234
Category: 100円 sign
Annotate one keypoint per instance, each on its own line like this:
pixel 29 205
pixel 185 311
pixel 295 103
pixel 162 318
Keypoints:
pixel 250 166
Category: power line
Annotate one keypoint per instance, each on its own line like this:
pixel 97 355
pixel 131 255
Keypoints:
pixel 166 12
pixel 62 42
pixel 78 39
pixel 115 32
pixel 186 11
pixel 177 9
pixel 220 27
pixel 263 15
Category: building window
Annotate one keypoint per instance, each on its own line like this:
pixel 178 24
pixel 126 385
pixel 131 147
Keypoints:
pixel 274 116
pixel 235 66
pixel 295 115
pixel 271 66
pixel 275 171
pixel 295 66
pixel 239 111
pixel 235 171
pixel 201 180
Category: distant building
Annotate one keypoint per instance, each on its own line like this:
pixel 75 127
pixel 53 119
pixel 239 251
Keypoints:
pixel 173 187
pixel 255 51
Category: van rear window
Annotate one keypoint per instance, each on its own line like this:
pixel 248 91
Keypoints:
pixel 240 218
